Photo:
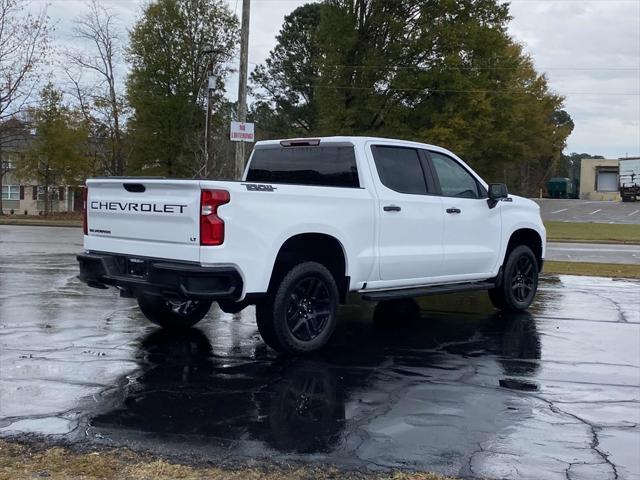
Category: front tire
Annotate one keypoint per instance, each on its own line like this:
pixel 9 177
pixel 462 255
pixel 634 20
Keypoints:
pixel 519 281
pixel 300 315
pixel 173 314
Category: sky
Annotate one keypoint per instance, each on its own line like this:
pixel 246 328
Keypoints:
pixel 588 49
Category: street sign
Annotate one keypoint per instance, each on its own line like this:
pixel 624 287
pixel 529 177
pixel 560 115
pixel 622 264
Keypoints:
pixel 242 132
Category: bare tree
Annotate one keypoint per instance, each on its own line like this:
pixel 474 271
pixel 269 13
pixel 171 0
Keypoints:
pixel 99 148
pixel 99 28
pixel 24 41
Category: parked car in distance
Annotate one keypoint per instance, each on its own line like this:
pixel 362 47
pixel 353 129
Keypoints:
pixel 310 221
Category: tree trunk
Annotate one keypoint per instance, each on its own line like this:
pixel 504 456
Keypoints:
pixel 117 144
pixel 1 179
pixel 118 148
pixel 46 195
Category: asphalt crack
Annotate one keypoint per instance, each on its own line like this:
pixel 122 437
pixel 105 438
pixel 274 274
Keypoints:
pixel 595 441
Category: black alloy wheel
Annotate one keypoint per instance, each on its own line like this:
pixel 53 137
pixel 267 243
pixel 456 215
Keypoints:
pixel 299 314
pixel 523 280
pixel 308 308
pixel 519 283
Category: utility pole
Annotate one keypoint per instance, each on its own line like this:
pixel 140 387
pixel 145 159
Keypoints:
pixel 242 84
pixel 207 128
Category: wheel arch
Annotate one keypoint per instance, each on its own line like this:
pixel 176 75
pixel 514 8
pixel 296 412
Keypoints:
pixel 313 247
pixel 529 237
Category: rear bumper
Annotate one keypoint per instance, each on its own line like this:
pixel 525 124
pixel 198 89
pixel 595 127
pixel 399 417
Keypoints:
pixel 160 277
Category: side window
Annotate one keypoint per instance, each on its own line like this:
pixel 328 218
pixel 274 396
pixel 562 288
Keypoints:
pixel 399 169
pixel 455 181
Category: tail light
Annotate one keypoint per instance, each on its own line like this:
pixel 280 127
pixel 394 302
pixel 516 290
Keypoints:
pixel 212 226
pixel 85 227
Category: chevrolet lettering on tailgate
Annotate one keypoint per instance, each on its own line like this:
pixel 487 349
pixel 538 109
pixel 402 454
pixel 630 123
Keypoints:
pixel 138 207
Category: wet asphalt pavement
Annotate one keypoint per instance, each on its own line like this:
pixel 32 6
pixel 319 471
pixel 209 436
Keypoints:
pixel 443 385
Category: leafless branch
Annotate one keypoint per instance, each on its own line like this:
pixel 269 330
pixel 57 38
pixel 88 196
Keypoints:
pixel 98 28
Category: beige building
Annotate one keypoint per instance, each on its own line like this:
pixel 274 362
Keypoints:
pixel 18 198
pixel 599 179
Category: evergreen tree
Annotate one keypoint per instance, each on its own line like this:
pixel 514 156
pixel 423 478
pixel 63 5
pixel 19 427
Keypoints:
pixel 173 47
pixel 438 71
pixel 57 153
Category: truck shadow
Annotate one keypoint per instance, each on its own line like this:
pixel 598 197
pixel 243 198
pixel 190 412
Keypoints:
pixel 305 405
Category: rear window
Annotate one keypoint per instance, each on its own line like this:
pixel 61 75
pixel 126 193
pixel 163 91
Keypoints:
pixel 319 166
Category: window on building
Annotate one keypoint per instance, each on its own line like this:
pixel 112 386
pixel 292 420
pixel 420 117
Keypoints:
pixel 607 181
pixel 53 193
pixel 11 192
pixel 11 159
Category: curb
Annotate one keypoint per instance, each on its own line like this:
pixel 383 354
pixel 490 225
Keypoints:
pixel 595 242
pixel 44 223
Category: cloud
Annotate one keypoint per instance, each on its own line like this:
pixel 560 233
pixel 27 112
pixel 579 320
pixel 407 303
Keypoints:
pixel 589 50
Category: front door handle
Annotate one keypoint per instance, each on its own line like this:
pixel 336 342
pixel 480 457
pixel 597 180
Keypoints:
pixel 454 210
pixel 391 208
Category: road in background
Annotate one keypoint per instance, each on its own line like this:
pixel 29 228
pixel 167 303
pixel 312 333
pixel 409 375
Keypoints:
pixel 446 385
pixel 589 211
pixel 593 252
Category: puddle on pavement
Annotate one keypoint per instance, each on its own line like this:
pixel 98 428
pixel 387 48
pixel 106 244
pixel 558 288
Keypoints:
pixel 185 386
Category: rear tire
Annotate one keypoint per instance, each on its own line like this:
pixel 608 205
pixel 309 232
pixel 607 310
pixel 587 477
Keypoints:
pixel 173 314
pixel 300 315
pixel 264 319
pixel 519 282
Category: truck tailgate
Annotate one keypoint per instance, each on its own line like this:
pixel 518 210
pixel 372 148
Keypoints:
pixel 153 218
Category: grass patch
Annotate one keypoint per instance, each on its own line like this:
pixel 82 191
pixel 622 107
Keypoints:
pixel 593 269
pixel 19 461
pixel 593 232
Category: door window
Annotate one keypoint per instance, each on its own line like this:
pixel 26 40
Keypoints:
pixel 455 180
pixel 399 169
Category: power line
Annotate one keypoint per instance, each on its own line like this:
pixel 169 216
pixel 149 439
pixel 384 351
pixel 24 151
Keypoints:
pixel 438 90
pixel 465 67
pixel 506 1
pixel 469 67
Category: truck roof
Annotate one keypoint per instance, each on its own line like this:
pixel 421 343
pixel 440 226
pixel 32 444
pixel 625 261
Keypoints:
pixel 358 141
pixel 354 139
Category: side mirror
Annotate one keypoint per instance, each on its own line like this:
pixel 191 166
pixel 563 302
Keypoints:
pixel 496 192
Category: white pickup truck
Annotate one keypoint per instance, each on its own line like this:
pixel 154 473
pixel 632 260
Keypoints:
pixel 311 220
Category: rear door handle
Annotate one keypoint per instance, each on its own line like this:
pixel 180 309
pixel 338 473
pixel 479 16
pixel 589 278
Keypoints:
pixel 454 210
pixel 391 208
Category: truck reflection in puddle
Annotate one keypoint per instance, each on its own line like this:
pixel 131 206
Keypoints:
pixel 307 405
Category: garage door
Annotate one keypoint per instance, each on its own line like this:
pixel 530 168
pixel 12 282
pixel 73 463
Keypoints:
pixel 607 182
